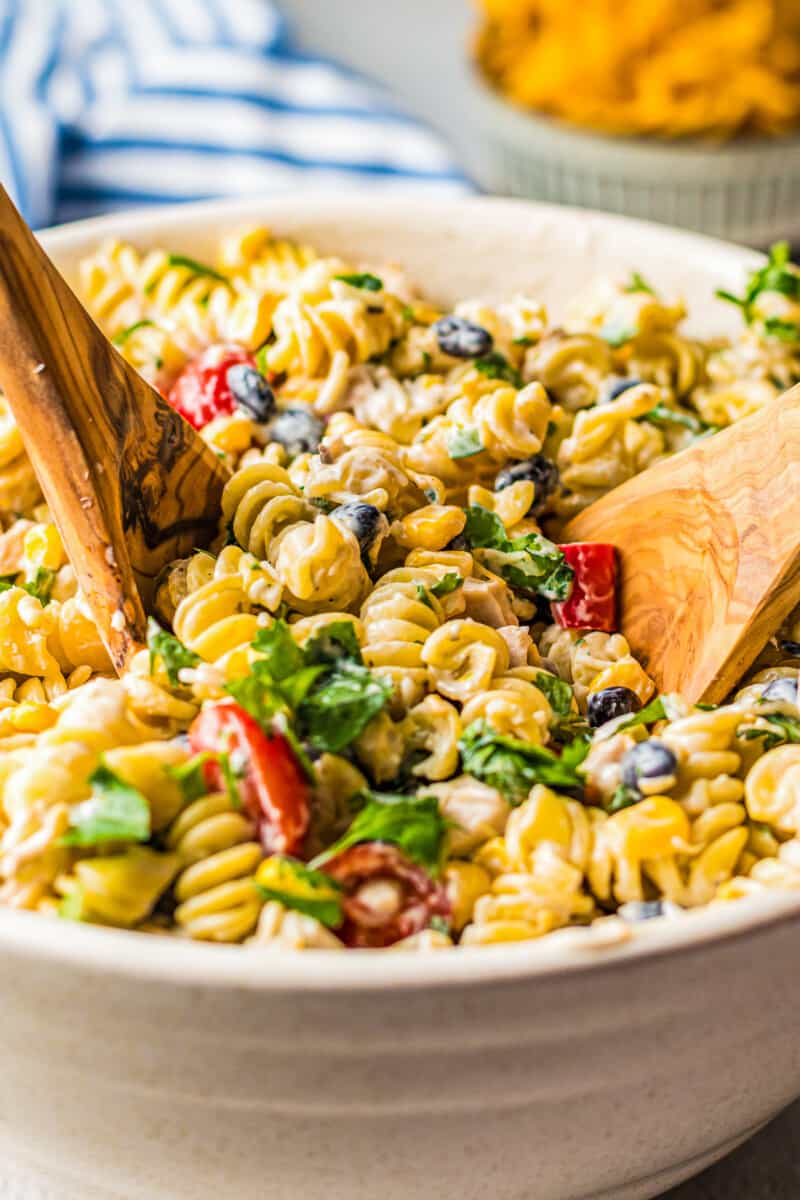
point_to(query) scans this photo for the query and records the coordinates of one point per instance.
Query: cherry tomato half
(376, 915)
(592, 603)
(201, 392)
(273, 786)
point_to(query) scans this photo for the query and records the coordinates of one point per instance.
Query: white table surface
(416, 46)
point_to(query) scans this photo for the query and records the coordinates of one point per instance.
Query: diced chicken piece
(520, 644)
(488, 601)
(475, 811)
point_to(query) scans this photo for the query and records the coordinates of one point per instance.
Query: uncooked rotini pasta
(388, 707)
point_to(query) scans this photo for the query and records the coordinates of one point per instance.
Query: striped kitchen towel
(105, 104)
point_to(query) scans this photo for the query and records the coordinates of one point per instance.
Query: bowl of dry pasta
(385, 858)
(687, 114)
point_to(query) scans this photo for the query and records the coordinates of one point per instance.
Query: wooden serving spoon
(709, 542)
(129, 483)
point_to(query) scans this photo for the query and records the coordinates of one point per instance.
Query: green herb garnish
(450, 582)
(513, 766)
(624, 797)
(463, 443)
(114, 812)
(652, 712)
(661, 414)
(557, 691)
(412, 823)
(323, 691)
(173, 654)
(784, 730)
(529, 563)
(197, 268)
(190, 776)
(778, 275)
(638, 284)
(496, 366)
(364, 280)
(301, 888)
(41, 586)
(119, 339)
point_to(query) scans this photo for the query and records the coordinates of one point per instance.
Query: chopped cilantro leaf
(638, 284)
(369, 283)
(557, 691)
(301, 888)
(513, 766)
(191, 264)
(412, 823)
(463, 443)
(661, 414)
(777, 275)
(341, 704)
(190, 775)
(115, 811)
(173, 654)
(447, 584)
(529, 563)
(623, 797)
(652, 712)
(41, 586)
(119, 339)
(496, 366)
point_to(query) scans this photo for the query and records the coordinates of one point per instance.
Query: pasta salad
(390, 707)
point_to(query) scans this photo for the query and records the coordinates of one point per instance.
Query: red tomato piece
(592, 603)
(273, 786)
(201, 392)
(373, 917)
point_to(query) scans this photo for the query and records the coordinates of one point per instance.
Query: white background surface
(416, 46)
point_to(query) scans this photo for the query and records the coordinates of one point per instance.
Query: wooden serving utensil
(129, 483)
(709, 542)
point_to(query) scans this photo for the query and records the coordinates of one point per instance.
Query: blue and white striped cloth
(106, 104)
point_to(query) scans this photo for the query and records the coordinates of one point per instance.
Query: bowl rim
(567, 136)
(177, 962)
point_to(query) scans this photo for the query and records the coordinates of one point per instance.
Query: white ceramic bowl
(746, 190)
(157, 1069)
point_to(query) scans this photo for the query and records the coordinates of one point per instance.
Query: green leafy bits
(41, 586)
(557, 691)
(190, 776)
(301, 888)
(778, 275)
(652, 712)
(115, 812)
(661, 414)
(173, 654)
(447, 584)
(322, 691)
(513, 766)
(529, 563)
(197, 268)
(336, 711)
(637, 283)
(624, 797)
(119, 339)
(363, 280)
(785, 331)
(463, 443)
(496, 366)
(782, 730)
(412, 823)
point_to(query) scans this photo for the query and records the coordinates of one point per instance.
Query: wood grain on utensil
(129, 483)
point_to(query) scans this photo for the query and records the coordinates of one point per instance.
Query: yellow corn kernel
(42, 547)
(653, 828)
(465, 882)
(32, 717)
(230, 434)
(510, 504)
(430, 528)
(494, 856)
(626, 673)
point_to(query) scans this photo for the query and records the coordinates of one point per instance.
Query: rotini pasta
(370, 714)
